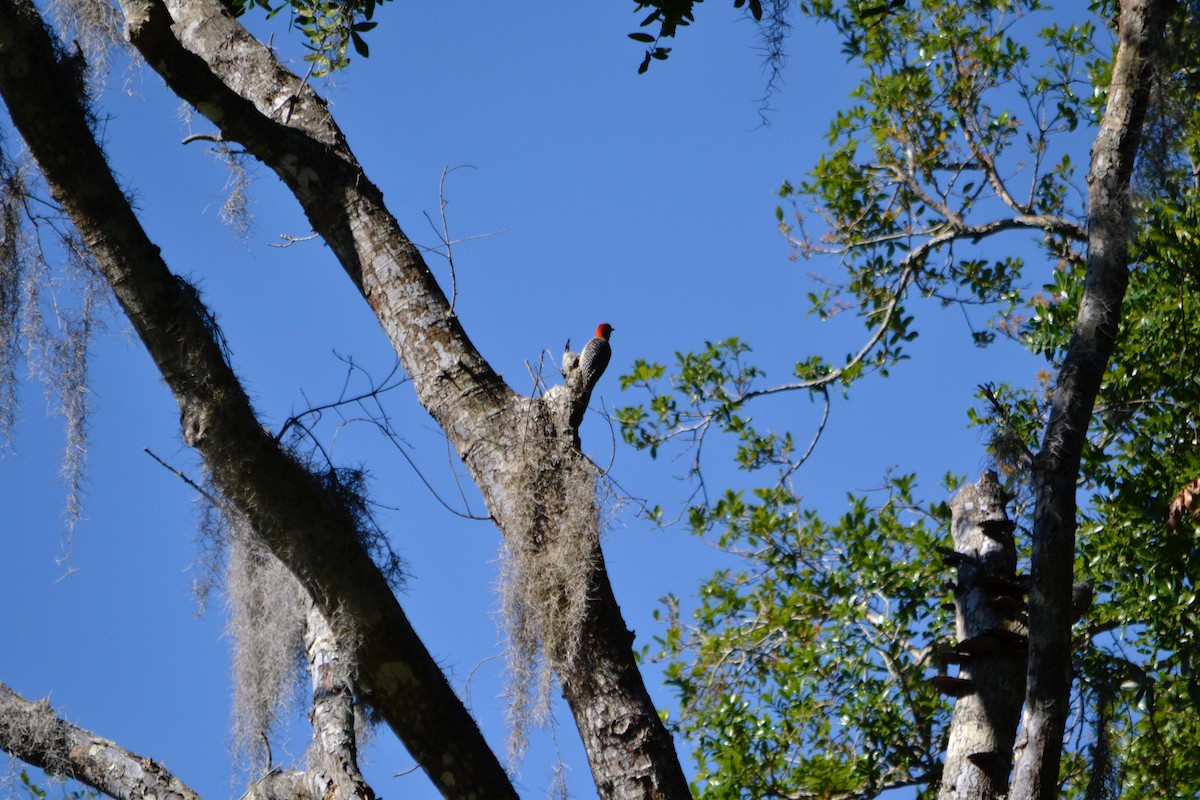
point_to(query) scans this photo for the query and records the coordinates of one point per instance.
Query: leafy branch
(331, 27)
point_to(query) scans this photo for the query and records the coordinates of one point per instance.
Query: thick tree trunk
(615, 715)
(1056, 468)
(991, 646)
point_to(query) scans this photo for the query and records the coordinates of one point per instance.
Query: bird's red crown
(603, 330)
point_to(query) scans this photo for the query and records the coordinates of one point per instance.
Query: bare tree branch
(35, 734)
(237, 81)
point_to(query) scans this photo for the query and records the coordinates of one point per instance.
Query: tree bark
(333, 772)
(35, 734)
(1056, 468)
(299, 517)
(539, 489)
(988, 600)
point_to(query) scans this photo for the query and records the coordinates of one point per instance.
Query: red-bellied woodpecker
(595, 357)
(592, 362)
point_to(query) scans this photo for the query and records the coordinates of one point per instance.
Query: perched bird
(595, 357)
(592, 363)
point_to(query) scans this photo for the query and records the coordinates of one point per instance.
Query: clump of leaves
(799, 667)
(668, 16)
(330, 26)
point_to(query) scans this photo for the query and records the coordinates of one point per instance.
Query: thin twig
(203, 137)
(273, 771)
(289, 240)
(202, 491)
(446, 170)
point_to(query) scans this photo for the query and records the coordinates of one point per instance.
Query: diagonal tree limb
(300, 518)
(212, 62)
(34, 733)
(1056, 468)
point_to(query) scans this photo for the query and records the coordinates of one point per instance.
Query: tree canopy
(806, 672)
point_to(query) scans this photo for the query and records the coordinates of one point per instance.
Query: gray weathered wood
(988, 605)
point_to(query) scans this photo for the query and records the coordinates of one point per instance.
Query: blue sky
(644, 201)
